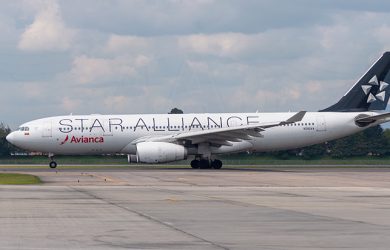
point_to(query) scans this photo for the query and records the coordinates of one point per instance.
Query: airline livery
(165, 138)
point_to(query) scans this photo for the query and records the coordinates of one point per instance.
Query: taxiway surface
(265, 208)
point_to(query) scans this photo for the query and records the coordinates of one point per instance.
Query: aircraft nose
(11, 137)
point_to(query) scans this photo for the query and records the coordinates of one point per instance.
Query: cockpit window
(24, 129)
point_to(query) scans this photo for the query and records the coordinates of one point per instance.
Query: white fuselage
(106, 134)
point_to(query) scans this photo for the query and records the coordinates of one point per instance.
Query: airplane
(162, 138)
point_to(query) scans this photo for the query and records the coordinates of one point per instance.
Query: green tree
(315, 151)
(370, 141)
(176, 111)
(284, 154)
(4, 145)
(386, 133)
(376, 141)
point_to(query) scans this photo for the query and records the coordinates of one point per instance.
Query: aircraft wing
(223, 136)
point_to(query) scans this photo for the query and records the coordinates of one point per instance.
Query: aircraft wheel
(204, 164)
(216, 164)
(195, 164)
(53, 164)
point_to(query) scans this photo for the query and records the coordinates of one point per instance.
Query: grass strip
(18, 179)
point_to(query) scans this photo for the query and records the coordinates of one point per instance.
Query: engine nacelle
(160, 152)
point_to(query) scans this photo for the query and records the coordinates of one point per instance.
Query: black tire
(204, 164)
(53, 164)
(216, 164)
(195, 164)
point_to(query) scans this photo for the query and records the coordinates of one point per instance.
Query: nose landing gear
(52, 163)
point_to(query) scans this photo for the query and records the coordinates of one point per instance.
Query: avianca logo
(64, 141)
(82, 139)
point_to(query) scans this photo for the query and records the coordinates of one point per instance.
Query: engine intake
(160, 152)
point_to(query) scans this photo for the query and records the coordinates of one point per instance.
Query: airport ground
(268, 207)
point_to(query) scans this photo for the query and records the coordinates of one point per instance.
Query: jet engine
(160, 152)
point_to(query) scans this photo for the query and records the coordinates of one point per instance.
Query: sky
(132, 56)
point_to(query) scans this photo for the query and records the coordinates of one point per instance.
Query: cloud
(32, 89)
(90, 69)
(117, 43)
(48, 32)
(382, 34)
(70, 104)
(225, 44)
(313, 87)
(149, 56)
(119, 103)
(272, 44)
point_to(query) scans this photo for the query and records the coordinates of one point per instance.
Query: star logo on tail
(380, 95)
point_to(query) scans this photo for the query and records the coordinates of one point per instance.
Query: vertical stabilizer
(370, 92)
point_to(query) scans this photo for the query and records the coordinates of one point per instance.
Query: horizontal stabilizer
(364, 121)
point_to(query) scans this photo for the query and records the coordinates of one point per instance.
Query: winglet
(296, 118)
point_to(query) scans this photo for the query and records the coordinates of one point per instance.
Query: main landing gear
(52, 163)
(205, 164)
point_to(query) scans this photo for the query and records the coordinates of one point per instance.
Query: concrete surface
(294, 208)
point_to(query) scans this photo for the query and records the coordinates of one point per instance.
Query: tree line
(374, 141)
(5, 147)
